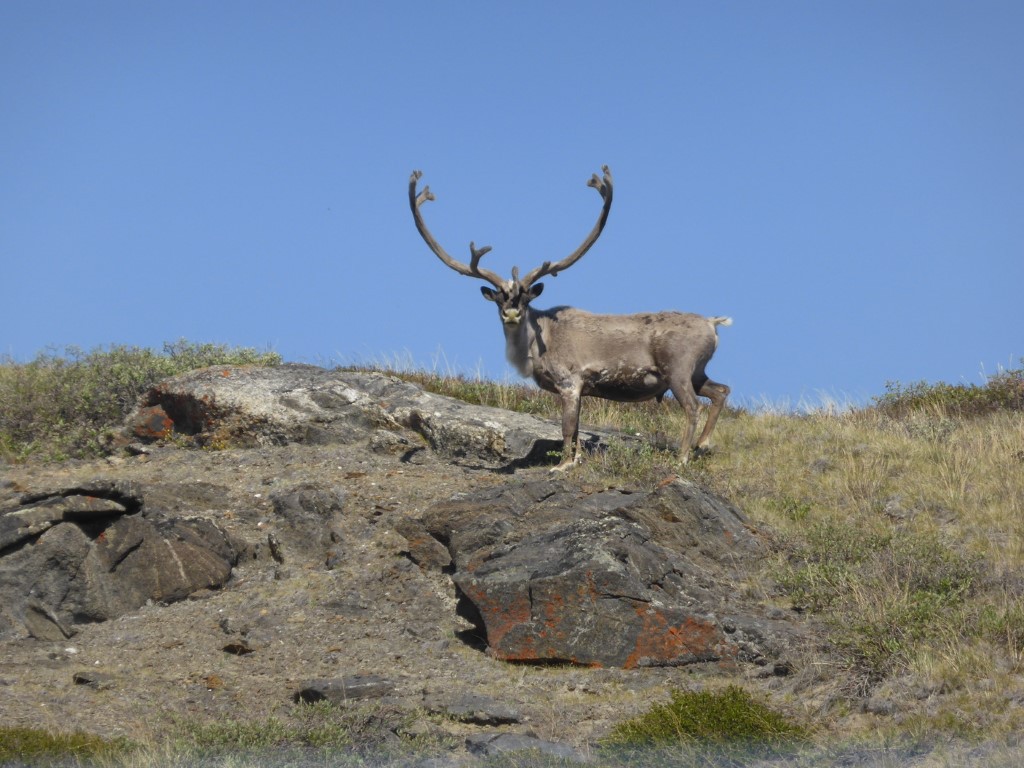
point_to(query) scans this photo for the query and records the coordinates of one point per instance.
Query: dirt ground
(243, 652)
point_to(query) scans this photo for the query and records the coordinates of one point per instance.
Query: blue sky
(844, 179)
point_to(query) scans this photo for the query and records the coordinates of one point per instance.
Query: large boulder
(246, 406)
(91, 553)
(552, 573)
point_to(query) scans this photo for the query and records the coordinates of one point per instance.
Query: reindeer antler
(604, 187)
(473, 269)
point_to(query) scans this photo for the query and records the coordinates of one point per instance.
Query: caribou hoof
(566, 464)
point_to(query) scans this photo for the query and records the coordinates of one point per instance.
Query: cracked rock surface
(556, 573)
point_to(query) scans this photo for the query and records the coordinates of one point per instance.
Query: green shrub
(32, 746)
(337, 735)
(60, 406)
(728, 718)
(1003, 391)
(241, 735)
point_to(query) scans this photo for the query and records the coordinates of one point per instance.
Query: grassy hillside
(900, 525)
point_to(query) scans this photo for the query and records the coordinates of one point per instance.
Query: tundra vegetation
(899, 525)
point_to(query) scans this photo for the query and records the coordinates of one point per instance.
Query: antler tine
(604, 187)
(473, 268)
(475, 254)
(424, 196)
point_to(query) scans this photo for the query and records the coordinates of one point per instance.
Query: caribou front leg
(571, 399)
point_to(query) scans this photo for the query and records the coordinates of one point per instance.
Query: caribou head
(511, 296)
(575, 353)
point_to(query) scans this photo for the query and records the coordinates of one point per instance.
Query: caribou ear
(536, 290)
(489, 293)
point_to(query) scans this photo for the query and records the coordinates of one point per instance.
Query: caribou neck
(521, 343)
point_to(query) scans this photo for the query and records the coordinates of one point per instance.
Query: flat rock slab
(246, 406)
(34, 513)
(101, 681)
(339, 690)
(20, 524)
(473, 708)
(551, 573)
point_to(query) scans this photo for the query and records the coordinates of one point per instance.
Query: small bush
(630, 464)
(242, 735)
(319, 727)
(730, 718)
(1003, 391)
(60, 406)
(1003, 625)
(32, 746)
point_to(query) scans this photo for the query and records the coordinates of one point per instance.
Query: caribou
(576, 354)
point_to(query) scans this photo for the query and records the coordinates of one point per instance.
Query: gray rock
(124, 492)
(240, 647)
(423, 549)
(473, 708)
(256, 406)
(35, 579)
(307, 518)
(549, 572)
(101, 681)
(43, 623)
(138, 560)
(386, 442)
(75, 555)
(340, 690)
(32, 519)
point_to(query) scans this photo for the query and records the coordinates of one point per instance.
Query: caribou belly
(625, 385)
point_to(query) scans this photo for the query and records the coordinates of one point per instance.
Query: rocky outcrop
(89, 553)
(307, 518)
(98, 550)
(546, 570)
(89, 505)
(244, 406)
(552, 573)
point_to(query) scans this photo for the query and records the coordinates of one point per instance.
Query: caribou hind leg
(716, 393)
(685, 395)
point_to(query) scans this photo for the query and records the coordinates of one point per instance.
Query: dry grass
(905, 535)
